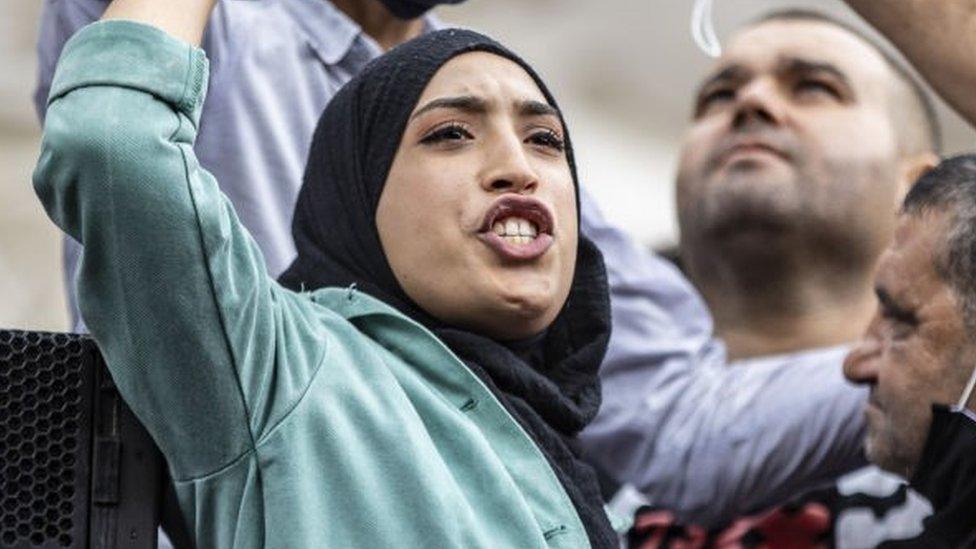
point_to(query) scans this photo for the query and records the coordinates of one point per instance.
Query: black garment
(411, 9)
(550, 385)
(946, 475)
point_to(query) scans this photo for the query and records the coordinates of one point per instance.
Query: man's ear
(911, 168)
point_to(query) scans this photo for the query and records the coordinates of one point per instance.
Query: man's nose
(508, 168)
(758, 102)
(862, 363)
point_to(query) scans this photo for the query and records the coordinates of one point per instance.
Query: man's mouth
(745, 147)
(751, 149)
(518, 228)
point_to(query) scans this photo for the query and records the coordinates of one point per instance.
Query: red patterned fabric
(806, 526)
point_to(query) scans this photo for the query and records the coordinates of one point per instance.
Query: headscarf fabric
(549, 384)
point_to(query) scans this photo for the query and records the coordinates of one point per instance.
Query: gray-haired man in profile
(918, 356)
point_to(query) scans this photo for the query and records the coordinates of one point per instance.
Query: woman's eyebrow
(531, 107)
(467, 103)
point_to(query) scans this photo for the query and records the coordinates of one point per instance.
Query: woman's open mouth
(518, 228)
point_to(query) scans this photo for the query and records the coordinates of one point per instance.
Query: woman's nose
(509, 168)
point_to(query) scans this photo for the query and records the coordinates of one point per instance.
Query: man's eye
(547, 138)
(714, 97)
(899, 324)
(817, 86)
(452, 132)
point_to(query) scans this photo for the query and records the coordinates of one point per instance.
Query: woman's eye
(547, 138)
(453, 132)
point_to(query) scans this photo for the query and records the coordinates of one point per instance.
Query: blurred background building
(624, 72)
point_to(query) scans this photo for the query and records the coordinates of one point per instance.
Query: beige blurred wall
(623, 70)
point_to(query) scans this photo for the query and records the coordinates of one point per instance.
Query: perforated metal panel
(45, 418)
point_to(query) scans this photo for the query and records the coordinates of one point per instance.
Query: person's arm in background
(686, 431)
(938, 37)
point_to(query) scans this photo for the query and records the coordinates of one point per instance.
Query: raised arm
(173, 288)
(938, 37)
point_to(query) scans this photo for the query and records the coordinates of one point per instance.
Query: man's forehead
(765, 45)
(921, 230)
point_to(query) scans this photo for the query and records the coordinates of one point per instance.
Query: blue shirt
(681, 426)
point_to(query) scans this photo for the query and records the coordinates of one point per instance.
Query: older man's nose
(861, 364)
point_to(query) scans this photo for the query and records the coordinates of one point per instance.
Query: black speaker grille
(44, 428)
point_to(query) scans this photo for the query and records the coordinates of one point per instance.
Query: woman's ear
(913, 167)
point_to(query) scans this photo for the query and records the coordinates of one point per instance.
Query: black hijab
(549, 384)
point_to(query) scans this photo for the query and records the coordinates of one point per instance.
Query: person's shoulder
(816, 355)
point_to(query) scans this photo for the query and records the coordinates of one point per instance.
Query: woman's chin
(524, 315)
(510, 318)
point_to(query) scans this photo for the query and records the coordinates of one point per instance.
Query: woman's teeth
(516, 230)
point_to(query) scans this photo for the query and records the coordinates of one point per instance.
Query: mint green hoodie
(324, 419)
